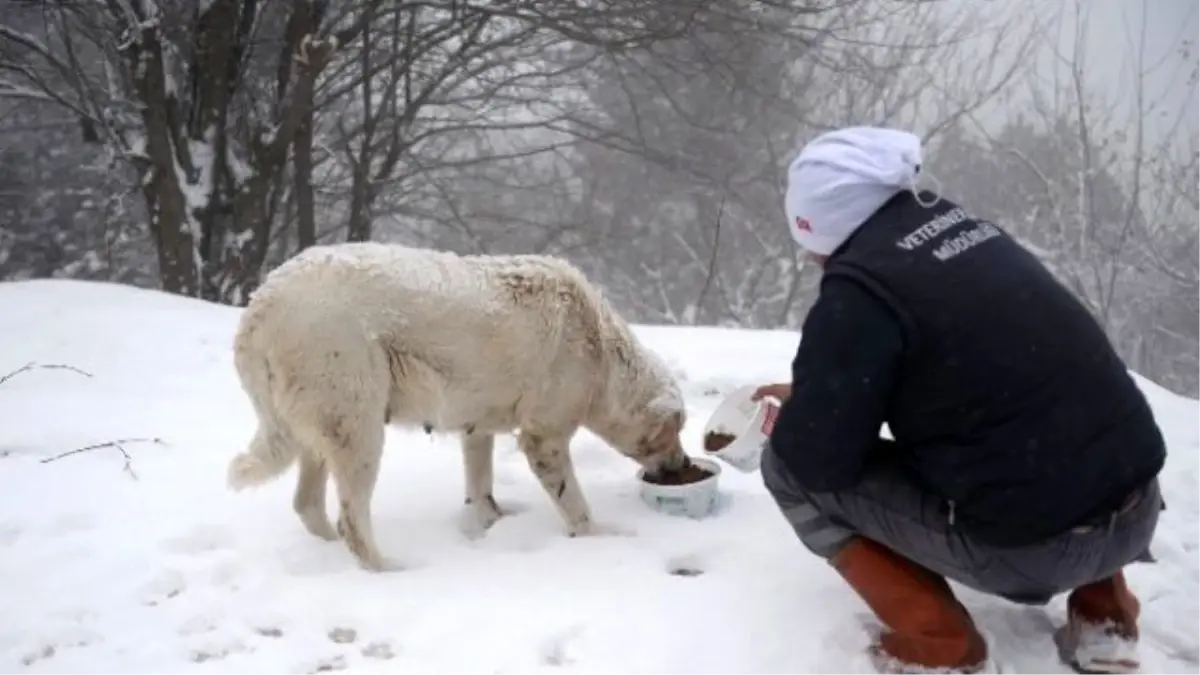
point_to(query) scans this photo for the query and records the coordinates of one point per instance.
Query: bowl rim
(708, 463)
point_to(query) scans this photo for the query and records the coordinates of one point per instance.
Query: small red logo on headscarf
(803, 225)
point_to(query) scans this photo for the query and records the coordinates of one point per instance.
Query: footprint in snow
(685, 566)
(71, 637)
(217, 653)
(198, 625)
(41, 654)
(328, 665)
(166, 585)
(379, 649)
(556, 649)
(226, 575)
(269, 631)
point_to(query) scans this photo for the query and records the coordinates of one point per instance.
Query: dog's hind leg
(480, 510)
(309, 501)
(353, 457)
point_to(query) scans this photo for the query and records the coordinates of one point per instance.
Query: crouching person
(1025, 458)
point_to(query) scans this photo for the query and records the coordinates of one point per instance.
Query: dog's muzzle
(672, 460)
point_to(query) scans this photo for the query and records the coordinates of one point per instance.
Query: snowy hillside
(102, 572)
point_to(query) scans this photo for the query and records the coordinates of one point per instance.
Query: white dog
(342, 340)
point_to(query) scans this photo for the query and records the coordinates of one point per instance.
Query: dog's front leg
(480, 510)
(550, 458)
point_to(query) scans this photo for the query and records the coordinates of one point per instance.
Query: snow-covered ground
(169, 572)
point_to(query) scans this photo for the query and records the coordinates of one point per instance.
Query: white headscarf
(843, 177)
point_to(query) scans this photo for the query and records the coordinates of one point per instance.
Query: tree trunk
(171, 225)
(359, 228)
(306, 217)
(249, 229)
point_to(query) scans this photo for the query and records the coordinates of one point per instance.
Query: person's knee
(823, 537)
(820, 534)
(779, 483)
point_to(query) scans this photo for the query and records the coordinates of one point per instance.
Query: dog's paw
(476, 519)
(382, 564)
(594, 529)
(317, 523)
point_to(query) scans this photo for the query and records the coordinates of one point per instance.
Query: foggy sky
(1112, 39)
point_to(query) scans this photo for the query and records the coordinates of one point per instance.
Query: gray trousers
(892, 511)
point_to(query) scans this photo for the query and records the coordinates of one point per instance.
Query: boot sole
(1100, 666)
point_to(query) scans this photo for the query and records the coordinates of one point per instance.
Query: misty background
(193, 145)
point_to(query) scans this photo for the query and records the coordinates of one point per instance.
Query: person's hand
(781, 391)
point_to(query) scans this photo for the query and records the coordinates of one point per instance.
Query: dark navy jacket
(1006, 399)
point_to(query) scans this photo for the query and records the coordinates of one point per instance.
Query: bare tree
(63, 210)
(1163, 336)
(207, 100)
(645, 139)
(1100, 186)
(448, 86)
(706, 126)
(182, 92)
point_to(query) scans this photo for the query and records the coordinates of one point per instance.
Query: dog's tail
(273, 448)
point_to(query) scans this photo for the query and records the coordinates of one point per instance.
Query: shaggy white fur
(343, 339)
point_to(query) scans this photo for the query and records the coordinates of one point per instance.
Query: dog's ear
(665, 432)
(665, 402)
(675, 422)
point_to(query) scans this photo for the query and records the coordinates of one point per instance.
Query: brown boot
(925, 626)
(1101, 632)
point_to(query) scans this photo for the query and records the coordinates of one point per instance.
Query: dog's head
(658, 446)
(642, 412)
(649, 435)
